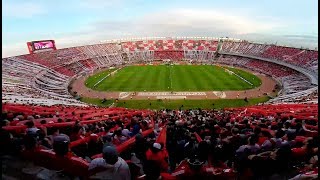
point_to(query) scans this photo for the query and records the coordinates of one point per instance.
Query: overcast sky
(79, 22)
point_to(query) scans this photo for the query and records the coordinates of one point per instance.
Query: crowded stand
(243, 48)
(279, 52)
(60, 66)
(306, 58)
(299, 57)
(292, 82)
(170, 49)
(307, 96)
(61, 137)
(100, 55)
(174, 55)
(139, 56)
(255, 142)
(103, 55)
(29, 82)
(65, 64)
(36, 77)
(170, 45)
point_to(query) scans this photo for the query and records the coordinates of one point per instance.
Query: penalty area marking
(171, 94)
(123, 95)
(171, 97)
(220, 94)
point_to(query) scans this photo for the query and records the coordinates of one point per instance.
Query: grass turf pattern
(173, 78)
(95, 78)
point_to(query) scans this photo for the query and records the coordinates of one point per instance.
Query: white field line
(111, 105)
(239, 77)
(105, 77)
(170, 76)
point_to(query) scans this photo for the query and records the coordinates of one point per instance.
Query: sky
(81, 22)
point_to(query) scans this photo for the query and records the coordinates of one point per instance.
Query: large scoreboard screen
(40, 46)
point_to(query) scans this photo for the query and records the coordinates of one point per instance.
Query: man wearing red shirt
(156, 153)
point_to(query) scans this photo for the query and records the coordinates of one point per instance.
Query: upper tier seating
(299, 57)
(170, 45)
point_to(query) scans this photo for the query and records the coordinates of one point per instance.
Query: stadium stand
(223, 144)
(298, 85)
(300, 57)
(63, 137)
(291, 81)
(70, 62)
(170, 49)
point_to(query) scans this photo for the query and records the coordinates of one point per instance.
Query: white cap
(157, 146)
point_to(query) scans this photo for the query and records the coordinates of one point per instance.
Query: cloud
(290, 40)
(177, 21)
(99, 4)
(62, 41)
(14, 49)
(301, 36)
(22, 9)
(213, 20)
(181, 22)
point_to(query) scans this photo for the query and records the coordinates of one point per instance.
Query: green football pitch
(173, 78)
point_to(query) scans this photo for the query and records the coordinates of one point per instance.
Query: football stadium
(171, 107)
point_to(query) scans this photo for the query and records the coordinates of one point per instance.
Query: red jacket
(160, 157)
(261, 140)
(184, 171)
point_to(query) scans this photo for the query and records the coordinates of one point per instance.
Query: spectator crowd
(258, 142)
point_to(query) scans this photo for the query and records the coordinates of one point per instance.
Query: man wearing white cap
(156, 153)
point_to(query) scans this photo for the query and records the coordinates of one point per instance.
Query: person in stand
(252, 147)
(152, 172)
(156, 153)
(191, 168)
(31, 127)
(107, 140)
(135, 127)
(110, 166)
(61, 144)
(271, 164)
